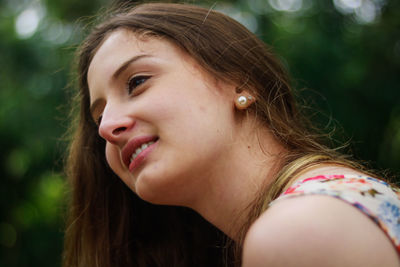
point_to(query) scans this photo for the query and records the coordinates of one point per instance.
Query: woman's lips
(130, 148)
(141, 156)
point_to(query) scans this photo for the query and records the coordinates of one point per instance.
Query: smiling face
(168, 126)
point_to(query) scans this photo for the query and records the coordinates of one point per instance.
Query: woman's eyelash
(136, 81)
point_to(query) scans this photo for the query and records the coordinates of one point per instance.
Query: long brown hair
(108, 225)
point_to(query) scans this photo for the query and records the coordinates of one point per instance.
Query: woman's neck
(249, 167)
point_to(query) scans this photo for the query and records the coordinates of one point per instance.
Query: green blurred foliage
(350, 66)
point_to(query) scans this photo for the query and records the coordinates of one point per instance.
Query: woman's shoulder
(320, 230)
(316, 231)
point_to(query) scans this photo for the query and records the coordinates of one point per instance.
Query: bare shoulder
(316, 231)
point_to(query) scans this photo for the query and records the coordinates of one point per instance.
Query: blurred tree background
(346, 51)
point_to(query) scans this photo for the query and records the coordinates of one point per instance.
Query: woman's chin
(161, 190)
(152, 189)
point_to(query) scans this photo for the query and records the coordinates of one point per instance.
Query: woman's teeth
(140, 149)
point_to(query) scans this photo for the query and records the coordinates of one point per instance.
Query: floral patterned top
(377, 199)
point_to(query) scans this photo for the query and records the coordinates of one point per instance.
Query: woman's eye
(136, 81)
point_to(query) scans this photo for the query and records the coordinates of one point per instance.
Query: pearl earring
(243, 102)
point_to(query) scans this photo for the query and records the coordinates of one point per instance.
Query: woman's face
(169, 126)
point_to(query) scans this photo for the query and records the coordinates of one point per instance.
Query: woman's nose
(114, 125)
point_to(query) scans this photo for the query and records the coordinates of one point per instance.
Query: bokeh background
(344, 56)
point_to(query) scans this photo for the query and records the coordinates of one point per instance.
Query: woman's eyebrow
(127, 63)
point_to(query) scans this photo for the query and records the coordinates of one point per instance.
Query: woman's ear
(243, 100)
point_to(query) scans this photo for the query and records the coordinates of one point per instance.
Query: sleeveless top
(377, 199)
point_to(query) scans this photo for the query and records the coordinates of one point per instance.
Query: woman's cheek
(113, 158)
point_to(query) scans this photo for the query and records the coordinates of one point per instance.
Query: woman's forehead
(122, 47)
(122, 44)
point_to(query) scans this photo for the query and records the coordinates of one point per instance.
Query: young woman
(189, 136)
